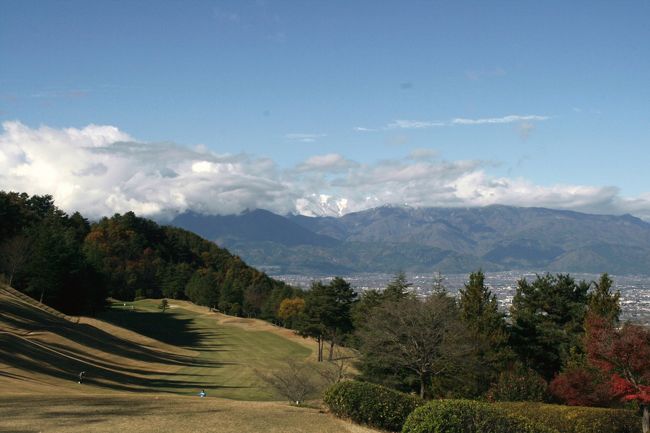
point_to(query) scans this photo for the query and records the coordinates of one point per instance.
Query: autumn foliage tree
(623, 354)
(290, 309)
(580, 383)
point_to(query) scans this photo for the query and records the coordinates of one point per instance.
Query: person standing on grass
(82, 376)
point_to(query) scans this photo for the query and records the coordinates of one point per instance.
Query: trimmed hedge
(387, 409)
(374, 405)
(468, 416)
(576, 419)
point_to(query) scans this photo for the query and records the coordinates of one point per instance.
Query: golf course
(144, 369)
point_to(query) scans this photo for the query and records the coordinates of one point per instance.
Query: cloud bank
(100, 170)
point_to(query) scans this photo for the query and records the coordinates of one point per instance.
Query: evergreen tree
(339, 323)
(328, 313)
(174, 279)
(603, 302)
(548, 320)
(479, 311)
(368, 300)
(398, 288)
(202, 288)
(438, 284)
(317, 309)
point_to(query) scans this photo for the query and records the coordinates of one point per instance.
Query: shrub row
(374, 405)
(574, 419)
(467, 416)
(387, 409)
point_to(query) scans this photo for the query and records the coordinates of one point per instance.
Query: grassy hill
(228, 350)
(144, 368)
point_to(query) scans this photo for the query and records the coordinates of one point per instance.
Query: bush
(374, 405)
(575, 419)
(519, 384)
(467, 416)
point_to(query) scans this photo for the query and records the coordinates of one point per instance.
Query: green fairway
(228, 356)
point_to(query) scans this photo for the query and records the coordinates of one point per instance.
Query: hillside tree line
(73, 265)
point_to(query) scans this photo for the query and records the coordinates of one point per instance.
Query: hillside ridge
(452, 240)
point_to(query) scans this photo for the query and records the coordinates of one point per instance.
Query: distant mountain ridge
(257, 225)
(386, 239)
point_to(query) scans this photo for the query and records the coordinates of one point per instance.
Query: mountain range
(452, 240)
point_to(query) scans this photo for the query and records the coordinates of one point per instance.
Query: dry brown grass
(161, 414)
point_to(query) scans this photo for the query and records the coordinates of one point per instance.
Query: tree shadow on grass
(32, 351)
(168, 327)
(89, 409)
(30, 356)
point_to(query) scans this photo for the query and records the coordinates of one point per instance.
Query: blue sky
(550, 96)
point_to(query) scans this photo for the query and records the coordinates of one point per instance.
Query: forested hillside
(73, 265)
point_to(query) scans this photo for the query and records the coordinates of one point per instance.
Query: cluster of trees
(561, 340)
(139, 258)
(73, 265)
(41, 253)
(324, 312)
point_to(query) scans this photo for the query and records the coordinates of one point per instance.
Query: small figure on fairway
(202, 393)
(82, 376)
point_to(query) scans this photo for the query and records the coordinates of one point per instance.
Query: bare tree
(424, 337)
(336, 370)
(14, 254)
(294, 381)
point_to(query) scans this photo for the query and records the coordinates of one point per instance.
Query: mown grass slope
(144, 368)
(228, 358)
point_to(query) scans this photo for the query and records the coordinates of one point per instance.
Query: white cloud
(425, 124)
(303, 138)
(413, 124)
(363, 129)
(496, 120)
(100, 170)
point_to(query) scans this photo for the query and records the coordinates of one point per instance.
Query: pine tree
(398, 288)
(328, 313)
(548, 320)
(479, 311)
(603, 302)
